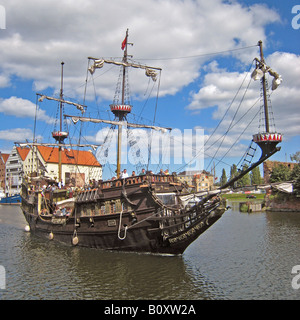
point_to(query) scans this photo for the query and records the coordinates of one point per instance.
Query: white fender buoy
(51, 235)
(27, 228)
(75, 241)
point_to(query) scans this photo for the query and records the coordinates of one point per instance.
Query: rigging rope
(201, 55)
(232, 120)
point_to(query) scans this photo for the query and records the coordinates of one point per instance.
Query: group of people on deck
(124, 173)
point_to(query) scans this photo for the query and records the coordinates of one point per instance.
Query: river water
(242, 256)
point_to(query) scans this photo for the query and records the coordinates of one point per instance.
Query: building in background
(14, 170)
(3, 160)
(200, 180)
(78, 167)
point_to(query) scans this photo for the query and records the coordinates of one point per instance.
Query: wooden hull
(147, 237)
(144, 225)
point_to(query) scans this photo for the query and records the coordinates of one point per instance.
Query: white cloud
(220, 87)
(18, 134)
(22, 108)
(41, 34)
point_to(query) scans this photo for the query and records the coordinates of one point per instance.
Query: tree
(223, 179)
(295, 175)
(245, 180)
(255, 176)
(295, 157)
(280, 173)
(233, 171)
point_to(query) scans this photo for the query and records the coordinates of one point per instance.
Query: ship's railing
(137, 180)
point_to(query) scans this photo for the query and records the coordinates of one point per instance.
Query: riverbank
(282, 202)
(243, 196)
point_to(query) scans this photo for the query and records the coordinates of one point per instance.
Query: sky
(205, 49)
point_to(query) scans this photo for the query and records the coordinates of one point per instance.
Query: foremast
(267, 141)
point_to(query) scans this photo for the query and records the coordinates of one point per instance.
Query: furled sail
(35, 144)
(75, 119)
(261, 69)
(77, 105)
(99, 63)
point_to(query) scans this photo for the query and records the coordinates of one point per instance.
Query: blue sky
(196, 86)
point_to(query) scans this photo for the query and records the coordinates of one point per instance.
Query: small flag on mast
(124, 43)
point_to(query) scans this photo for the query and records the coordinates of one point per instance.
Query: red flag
(124, 43)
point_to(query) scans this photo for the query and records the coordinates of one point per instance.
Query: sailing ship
(147, 213)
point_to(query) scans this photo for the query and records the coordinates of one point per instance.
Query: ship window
(113, 208)
(167, 198)
(102, 209)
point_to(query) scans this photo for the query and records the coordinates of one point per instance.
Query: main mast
(120, 111)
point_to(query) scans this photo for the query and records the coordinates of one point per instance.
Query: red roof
(4, 156)
(75, 157)
(23, 152)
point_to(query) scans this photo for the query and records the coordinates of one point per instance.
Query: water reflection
(241, 257)
(47, 270)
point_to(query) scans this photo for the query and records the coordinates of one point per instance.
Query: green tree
(280, 173)
(255, 176)
(223, 179)
(233, 171)
(295, 175)
(295, 156)
(245, 180)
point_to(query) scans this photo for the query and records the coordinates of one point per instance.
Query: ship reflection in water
(242, 257)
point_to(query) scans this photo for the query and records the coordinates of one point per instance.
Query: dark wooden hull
(146, 237)
(147, 226)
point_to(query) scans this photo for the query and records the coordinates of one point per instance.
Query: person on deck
(124, 174)
(161, 172)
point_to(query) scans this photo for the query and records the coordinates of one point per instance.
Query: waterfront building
(14, 170)
(200, 180)
(3, 160)
(78, 167)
